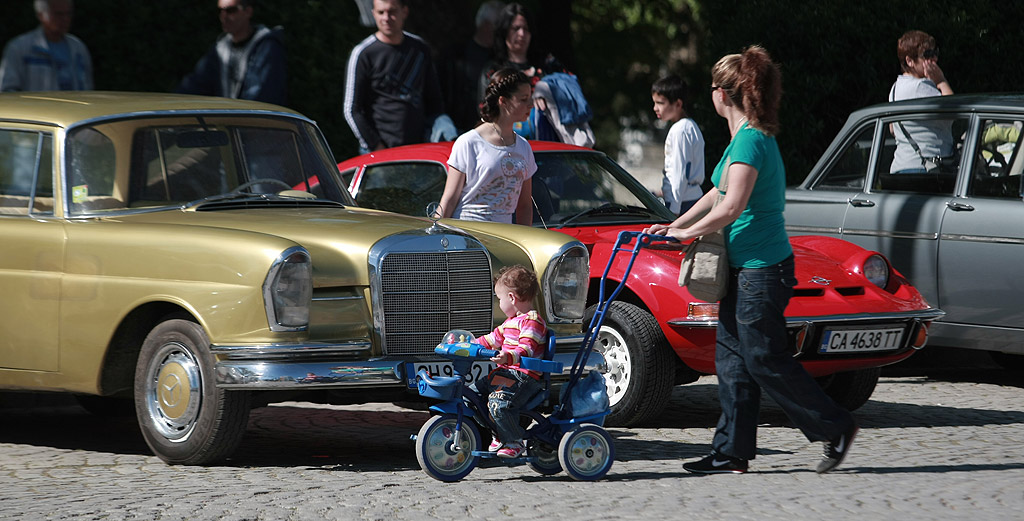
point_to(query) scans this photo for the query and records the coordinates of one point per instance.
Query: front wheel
(586, 453)
(440, 455)
(640, 364)
(184, 417)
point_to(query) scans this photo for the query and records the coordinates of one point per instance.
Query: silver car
(952, 224)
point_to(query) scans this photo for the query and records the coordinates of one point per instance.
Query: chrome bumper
(921, 315)
(305, 366)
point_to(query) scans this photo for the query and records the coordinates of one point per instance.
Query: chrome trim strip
(892, 235)
(798, 322)
(292, 351)
(816, 230)
(335, 299)
(981, 238)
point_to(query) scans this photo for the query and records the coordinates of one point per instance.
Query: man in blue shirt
(47, 58)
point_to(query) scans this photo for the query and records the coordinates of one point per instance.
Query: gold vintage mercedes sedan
(199, 257)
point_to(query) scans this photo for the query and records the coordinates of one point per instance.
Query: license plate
(856, 340)
(478, 370)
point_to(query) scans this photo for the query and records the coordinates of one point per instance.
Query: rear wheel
(586, 453)
(544, 458)
(851, 389)
(640, 364)
(184, 417)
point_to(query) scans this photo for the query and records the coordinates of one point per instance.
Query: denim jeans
(752, 354)
(505, 401)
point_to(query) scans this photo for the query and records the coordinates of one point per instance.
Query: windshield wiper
(607, 208)
(223, 197)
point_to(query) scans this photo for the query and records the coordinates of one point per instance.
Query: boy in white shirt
(684, 147)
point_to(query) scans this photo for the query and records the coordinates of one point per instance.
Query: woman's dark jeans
(752, 353)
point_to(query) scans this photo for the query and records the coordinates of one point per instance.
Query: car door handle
(959, 207)
(861, 203)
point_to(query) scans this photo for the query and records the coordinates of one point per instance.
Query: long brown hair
(754, 83)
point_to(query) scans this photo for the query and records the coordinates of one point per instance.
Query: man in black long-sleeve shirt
(391, 88)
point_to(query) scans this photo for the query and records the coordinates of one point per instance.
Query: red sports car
(851, 313)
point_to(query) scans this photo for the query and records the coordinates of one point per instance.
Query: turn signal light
(702, 311)
(922, 335)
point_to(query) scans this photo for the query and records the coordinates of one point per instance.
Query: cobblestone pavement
(945, 446)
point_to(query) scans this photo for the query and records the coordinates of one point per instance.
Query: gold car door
(31, 261)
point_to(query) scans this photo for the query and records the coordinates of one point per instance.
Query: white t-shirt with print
(494, 176)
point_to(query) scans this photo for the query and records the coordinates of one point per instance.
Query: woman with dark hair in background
(752, 349)
(561, 112)
(490, 167)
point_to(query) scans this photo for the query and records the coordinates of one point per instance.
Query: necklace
(739, 125)
(508, 153)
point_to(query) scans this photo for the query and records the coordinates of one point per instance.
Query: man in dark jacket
(247, 62)
(392, 93)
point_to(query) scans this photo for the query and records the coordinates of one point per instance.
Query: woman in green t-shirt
(752, 349)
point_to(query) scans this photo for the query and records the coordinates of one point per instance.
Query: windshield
(156, 162)
(574, 188)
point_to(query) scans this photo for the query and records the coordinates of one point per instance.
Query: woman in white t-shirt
(490, 167)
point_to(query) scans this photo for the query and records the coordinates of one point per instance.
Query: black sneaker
(836, 450)
(717, 464)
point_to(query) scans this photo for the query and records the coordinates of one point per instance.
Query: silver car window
(998, 163)
(850, 168)
(921, 155)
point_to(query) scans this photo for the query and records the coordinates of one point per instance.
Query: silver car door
(900, 211)
(982, 239)
(820, 205)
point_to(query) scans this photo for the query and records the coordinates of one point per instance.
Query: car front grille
(426, 294)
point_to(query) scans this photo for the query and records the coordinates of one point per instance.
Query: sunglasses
(930, 53)
(230, 10)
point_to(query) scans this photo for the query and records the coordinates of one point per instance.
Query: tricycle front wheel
(439, 455)
(586, 453)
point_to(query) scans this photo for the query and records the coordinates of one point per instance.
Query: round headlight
(877, 271)
(565, 284)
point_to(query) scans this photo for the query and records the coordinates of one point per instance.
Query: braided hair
(504, 83)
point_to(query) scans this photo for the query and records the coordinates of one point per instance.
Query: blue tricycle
(449, 445)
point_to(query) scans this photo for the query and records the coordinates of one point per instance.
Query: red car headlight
(876, 270)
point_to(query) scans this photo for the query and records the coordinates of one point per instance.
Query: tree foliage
(835, 56)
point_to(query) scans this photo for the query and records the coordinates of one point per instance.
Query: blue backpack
(573, 108)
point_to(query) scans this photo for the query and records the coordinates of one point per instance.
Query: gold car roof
(64, 109)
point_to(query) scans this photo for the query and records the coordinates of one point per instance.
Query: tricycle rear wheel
(587, 452)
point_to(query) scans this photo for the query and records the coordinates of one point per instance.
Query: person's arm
(357, 102)
(933, 72)
(268, 69)
(453, 186)
(741, 184)
(524, 208)
(433, 99)
(698, 210)
(204, 78)
(10, 75)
